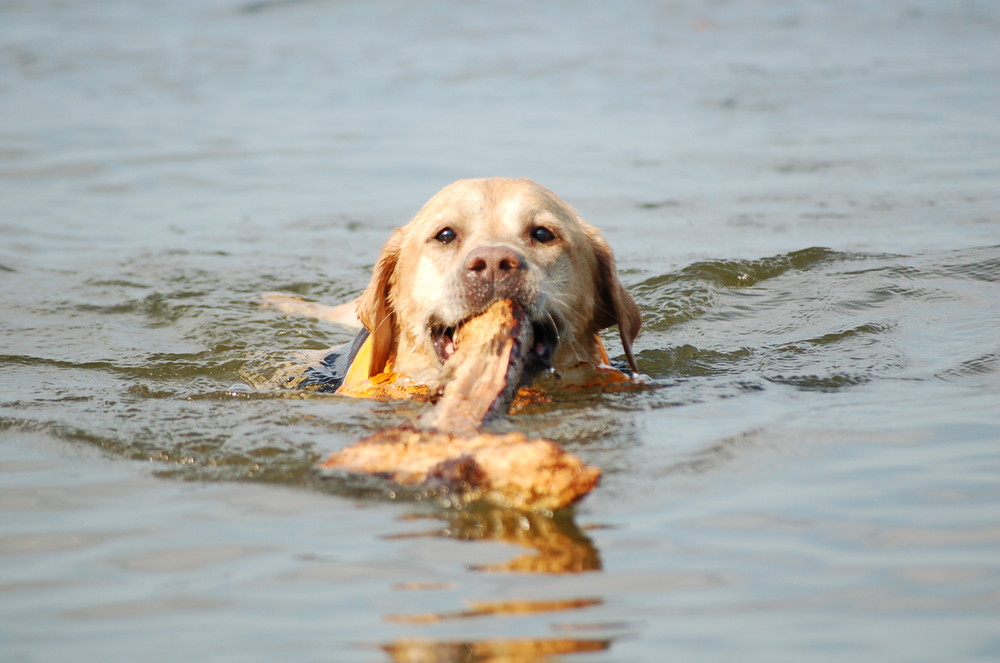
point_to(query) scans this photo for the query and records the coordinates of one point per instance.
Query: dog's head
(478, 241)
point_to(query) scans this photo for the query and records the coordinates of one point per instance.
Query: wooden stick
(449, 451)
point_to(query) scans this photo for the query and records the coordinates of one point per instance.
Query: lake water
(804, 198)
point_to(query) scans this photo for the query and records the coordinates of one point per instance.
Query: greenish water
(803, 199)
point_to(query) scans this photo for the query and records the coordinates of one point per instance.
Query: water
(802, 196)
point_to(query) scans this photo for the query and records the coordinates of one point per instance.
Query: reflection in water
(496, 608)
(560, 546)
(413, 650)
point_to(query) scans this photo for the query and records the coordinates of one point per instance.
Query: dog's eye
(446, 236)
(542, 234)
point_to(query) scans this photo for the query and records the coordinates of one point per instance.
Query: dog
(475, 242)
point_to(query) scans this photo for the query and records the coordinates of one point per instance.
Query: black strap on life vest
(329, 373)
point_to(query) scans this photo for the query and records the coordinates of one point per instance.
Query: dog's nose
(493, 263)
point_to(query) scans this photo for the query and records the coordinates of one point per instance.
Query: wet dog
(473, 243)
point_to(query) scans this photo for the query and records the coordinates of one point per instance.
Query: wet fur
(419, 282)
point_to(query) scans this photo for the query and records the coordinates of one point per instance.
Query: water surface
(802, 196)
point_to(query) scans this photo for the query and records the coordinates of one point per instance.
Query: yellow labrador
(473, 243)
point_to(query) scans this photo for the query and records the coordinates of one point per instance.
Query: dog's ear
(375, 308)
(614, 304)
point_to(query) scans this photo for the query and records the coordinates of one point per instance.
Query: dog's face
(478, 241)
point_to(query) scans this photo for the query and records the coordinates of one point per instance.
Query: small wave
(158, 308)
(980, 264)
(210, 365)
(830, 321)
(811, 364)
(826, 383)
(676, 297)
(985, 364)
(39, 362)
(689, 361)
(743, 273)
(866, 329)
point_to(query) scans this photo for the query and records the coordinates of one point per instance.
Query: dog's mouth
(544, 339)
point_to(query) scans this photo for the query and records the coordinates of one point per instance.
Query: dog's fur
(477, 241)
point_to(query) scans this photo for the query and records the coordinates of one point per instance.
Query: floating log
(448, 450)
